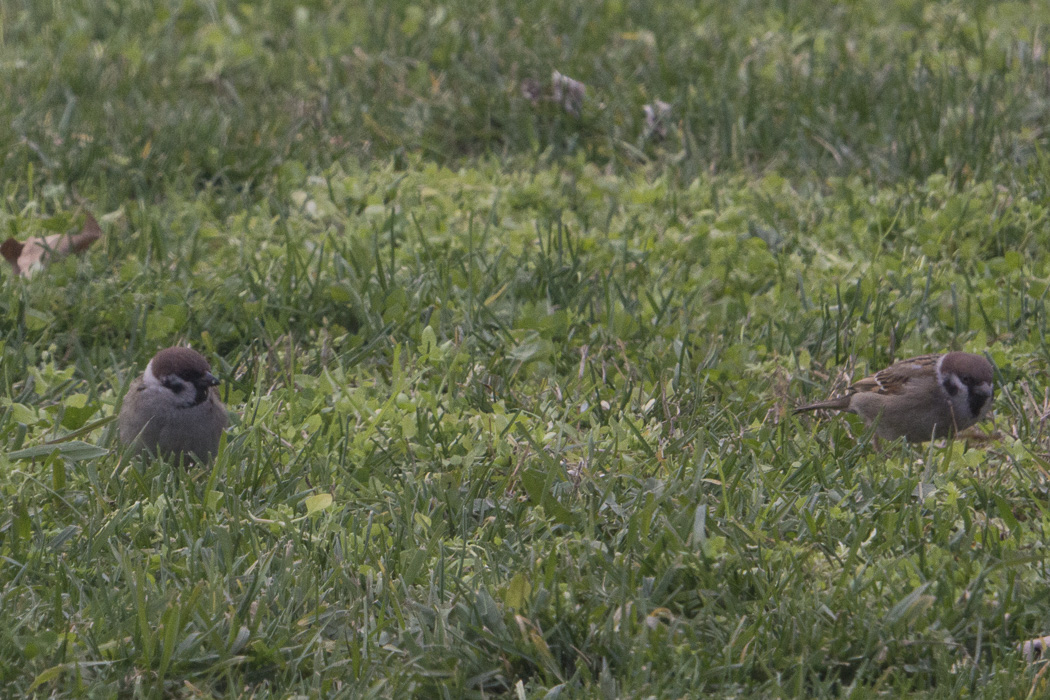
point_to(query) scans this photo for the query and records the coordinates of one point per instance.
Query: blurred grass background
(214, 92)
(511, 380)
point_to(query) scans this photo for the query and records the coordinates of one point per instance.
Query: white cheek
(149, 379)
(185, 397)
(961, 400)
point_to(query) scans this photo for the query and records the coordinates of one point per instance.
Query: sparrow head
(183, 372)
(968, 377)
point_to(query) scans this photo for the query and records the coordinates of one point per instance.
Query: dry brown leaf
(25, 257)
(1034, 649)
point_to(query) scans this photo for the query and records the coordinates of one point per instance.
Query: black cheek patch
(950, 387)
(176, 387)
(977, 402)
(200, 387)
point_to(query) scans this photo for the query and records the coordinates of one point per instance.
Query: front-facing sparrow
(931, 396)
(173, 409)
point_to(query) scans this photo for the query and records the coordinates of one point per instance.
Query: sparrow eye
(950, 387)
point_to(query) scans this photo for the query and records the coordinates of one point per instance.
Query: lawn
(511, 358)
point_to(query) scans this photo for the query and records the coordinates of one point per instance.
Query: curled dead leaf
(33, 253)
(1034, 649)
(657, 119)
(568, 93)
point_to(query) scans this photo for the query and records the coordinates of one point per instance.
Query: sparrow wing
(893, 379)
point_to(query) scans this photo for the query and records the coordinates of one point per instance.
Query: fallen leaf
(657, 117)
(1034, 649)
(568, 93)
(32, 254)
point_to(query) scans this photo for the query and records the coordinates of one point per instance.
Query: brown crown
(965, 364)
(184, 362)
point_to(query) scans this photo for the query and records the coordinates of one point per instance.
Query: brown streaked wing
(893, 379)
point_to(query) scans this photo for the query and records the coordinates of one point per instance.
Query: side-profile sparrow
(173, 409)
(931, 396)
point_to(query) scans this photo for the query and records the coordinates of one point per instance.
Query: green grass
(513, 386)
(139, 95)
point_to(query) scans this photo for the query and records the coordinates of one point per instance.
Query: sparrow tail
(839, 404)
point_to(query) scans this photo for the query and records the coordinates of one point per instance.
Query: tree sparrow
(931, 396)
(173, 409)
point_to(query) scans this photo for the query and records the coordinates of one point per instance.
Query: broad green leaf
(518, 591)
(317, 502)
(74, 451)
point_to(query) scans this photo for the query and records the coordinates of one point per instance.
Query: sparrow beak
(209, 379)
